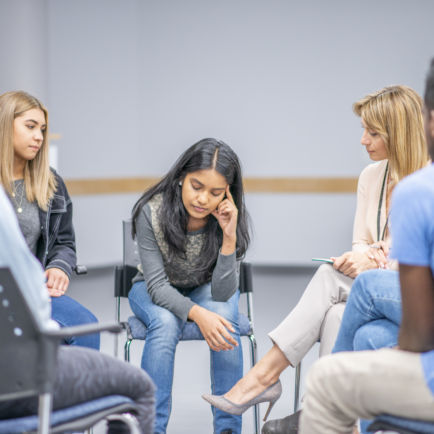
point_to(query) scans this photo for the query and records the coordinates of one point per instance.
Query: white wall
(132, 83)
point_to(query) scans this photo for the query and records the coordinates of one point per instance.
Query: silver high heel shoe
(271, 395)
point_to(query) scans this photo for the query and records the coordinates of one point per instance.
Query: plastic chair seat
(92, 409)
(190, 331)
(401, 425)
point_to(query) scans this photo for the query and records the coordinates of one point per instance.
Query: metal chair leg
(253, 359)
(127, 350)
(297, 386)
(44, 411)
(118, 319)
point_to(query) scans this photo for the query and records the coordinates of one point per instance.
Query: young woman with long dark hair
(192, 231)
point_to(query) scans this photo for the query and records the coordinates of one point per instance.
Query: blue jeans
(68, 312)
(164, 330)
(372, 315)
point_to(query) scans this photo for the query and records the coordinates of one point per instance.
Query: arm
(61, 257)
(61, 251)
(417, 290)
(363, 257)
(162, 293)
(412, 228)
(225, 277)
(225, 280)
(361, 240)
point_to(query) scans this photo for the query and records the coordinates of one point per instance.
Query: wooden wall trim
(252, 185)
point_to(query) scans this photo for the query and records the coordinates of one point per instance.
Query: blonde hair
(39, 180)
(395, 113)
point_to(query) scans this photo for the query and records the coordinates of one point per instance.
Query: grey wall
(130, 84)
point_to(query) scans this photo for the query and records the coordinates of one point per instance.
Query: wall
(130, 84)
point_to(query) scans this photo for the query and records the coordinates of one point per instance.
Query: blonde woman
(393, 136)
(41, 202)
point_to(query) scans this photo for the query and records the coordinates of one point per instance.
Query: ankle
(265, 379)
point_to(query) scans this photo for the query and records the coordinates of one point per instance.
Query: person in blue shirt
(346, 386)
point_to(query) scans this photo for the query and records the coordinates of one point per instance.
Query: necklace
(380, 235)
(15, 193)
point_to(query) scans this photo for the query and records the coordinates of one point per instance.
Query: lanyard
(380, 203)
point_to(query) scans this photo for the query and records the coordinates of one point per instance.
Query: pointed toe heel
(271, 395)
(270, 406)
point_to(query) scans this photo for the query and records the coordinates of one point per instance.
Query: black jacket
(56, 246)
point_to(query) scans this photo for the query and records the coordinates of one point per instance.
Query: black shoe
(287, 425)
(117, 427)
(226, 431)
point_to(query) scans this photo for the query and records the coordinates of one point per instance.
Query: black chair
(399, 425)
(137, 330)
(28, 359)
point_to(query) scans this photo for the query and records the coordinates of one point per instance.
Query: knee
(71, 311)
(366, 280)
(228, 310)
(166, 324)
(324, 271)
(363, 339)
(375, 335)
(87, 316)
(83, 315)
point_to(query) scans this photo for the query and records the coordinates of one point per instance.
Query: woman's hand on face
(214, 328)
(227, 215)
(57, 282)
(353, 263)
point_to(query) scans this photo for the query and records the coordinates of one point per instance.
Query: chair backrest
(19, 336)
(246, 279)
(130, 261)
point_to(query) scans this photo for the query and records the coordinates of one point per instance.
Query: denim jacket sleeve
(58, 237)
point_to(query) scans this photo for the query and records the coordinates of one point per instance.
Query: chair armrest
(80, 269)
(84, 329)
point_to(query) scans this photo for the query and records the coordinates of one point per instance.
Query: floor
(276, 291)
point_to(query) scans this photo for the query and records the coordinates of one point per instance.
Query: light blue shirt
(25, 268)
(412, 228)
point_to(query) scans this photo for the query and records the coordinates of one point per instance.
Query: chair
(137, 330)
(27, 367)
(297, 387)
(400, 425)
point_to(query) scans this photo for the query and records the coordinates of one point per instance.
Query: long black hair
(206, 154)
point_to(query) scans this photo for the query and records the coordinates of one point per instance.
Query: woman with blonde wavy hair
(393, 135)
(41, 202)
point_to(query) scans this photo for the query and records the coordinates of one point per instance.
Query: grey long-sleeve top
(163, 275)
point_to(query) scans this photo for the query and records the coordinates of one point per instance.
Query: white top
(368, 198)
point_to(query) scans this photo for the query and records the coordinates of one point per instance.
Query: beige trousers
(316, 317)
(346, 386)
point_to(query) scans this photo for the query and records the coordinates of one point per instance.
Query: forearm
(225, 277)
(229, 245)
(168, 297)
(417, 327)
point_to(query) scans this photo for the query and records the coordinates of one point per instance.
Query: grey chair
(137, 330)
(28, 359)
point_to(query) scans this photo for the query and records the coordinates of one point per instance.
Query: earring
(180, 183)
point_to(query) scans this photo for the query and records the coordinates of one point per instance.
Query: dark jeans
(84, 374)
